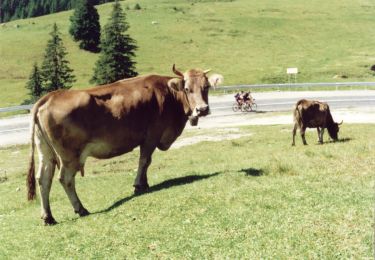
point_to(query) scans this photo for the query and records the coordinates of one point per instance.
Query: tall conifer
(34, 85)
(85, 26)
(56, 73)
(117, 50)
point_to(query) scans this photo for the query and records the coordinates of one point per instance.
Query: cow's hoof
(49, 220)
(140, 189)
(83, 212)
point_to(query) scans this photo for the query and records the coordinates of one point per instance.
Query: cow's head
(195, 84)
(333, 130)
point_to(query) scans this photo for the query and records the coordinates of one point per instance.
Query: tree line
(117, 50)
(20, 9)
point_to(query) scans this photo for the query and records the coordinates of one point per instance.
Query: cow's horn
(206, 71)
(177, 72)
(342, 121)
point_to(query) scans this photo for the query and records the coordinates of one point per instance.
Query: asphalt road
(284, 101)
(350, 106)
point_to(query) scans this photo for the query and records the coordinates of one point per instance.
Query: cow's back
(310, 113)
(104, 121)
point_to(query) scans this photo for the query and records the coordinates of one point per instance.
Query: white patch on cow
(195, 112)
(136, 95)
(117, 99)
(187, 83)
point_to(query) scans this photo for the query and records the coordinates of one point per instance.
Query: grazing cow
(148, 111)
(314, 114)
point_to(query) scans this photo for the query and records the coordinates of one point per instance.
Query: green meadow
(255, 197)
(246, 41)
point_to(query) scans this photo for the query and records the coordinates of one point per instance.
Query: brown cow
(314, 114)
(107, 121)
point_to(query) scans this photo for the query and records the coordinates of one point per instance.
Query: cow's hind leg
(141, 183)
(302, 131)
(294, 134)
(44, 177)
(67, 179)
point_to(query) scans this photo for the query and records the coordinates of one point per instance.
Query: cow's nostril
(203, 108)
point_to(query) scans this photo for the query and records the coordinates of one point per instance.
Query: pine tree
(85, 26)
(34, 85)
(56, 73)
(118, 49)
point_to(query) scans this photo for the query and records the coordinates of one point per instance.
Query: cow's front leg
(320, 134)
(318, 130)
(145, 158)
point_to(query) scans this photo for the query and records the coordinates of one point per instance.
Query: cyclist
(239, 97)
(246, 97)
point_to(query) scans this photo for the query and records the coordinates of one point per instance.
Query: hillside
(247, 41)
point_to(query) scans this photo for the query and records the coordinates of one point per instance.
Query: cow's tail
(30, 181)
(297, 113)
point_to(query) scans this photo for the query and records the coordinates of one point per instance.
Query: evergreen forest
(20, 9)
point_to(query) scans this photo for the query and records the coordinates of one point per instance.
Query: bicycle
(249, 106)
(236, 106)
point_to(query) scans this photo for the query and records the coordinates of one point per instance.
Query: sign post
(292, 72)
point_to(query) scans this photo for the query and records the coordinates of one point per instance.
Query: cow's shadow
(161, 186)
(342, 140)
(252, 172)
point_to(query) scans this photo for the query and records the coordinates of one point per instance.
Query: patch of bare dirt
(213, 136)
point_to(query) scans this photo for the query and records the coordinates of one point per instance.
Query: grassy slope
(254, 197)
(247, 41)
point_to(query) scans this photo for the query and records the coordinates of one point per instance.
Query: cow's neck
(330, 124)
(181, 98)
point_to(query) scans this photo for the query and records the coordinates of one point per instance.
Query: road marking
(14, 130)
(292, 103)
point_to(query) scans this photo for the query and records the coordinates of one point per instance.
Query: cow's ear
(176, 84)
(215, 80)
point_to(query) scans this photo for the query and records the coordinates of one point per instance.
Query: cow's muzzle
(198, 112)
(203, 110)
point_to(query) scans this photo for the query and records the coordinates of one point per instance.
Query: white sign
(292, 71)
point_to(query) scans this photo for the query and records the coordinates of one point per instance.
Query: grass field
(253, 197)
(247, 41)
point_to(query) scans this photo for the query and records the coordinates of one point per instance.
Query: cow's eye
(186, 89)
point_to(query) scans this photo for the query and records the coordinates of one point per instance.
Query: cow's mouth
(193, 120)
(204, 112)
(201, 111)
